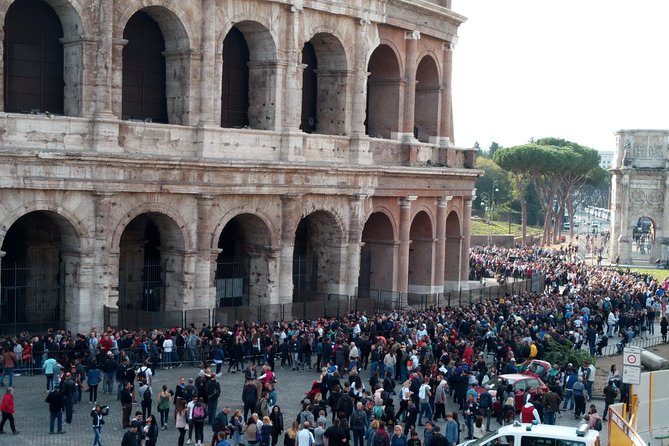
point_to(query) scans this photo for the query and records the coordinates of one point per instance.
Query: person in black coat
(131, 437)
(56, 409)
(411, 416)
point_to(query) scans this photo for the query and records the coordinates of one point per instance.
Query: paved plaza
(32, 413)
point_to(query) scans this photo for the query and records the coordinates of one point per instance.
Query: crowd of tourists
(413, 361)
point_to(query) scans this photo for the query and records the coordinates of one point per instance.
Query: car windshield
(536, 367)
(497, 382)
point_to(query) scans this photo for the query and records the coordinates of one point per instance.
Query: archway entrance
(150, 272)
(316, 257)
(643, 236)
(39, 272)
(420, 255)
(453, 247)
(377, 269)
(242, 271)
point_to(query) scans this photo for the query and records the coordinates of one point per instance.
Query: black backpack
(141, 375)
(358, 419)
(147, 395)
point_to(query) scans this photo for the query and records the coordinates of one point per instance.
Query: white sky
(573, 69)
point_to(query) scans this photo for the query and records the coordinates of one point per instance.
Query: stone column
(117, 76)
(446, 118)
(290, 212)
(103, 60)
(359, 88)
(106, 269)
(208, 69)
(466, 233)
(625, 241)
(292, 101)
(204, 292)
(354, 240)
(411, 39)
(440, 244)
(405, 243)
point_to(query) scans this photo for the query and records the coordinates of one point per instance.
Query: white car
(520, 434)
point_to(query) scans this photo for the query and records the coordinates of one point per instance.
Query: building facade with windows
(162, 155)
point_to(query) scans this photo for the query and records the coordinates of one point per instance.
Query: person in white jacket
(611, 323)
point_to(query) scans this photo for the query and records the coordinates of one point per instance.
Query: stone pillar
(440, 243)
(625, 242)
(359, 88)
(405, 243)
(117, 76)
(292, 101)
(204, 292)
(446, 118)
(103, 60)
(354, 243)
(411, 40)
(208, 69)
(106, 263)
(290, 212)
(466, 234)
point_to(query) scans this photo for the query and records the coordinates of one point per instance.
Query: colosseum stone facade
(168, 155)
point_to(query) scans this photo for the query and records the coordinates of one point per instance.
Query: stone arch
(378, 253)
(421, 252)
(245, 266)
(262, 72)
(70, 52)
(176, 57)
(384, 91)
(235, 212)
(318, 264)
(324, 85)
(40, 281)
(151, 269)
(428, 99)
(153, 208)
(453, 246)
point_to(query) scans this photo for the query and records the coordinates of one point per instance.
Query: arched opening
(324, 86)
(453, 247)
(421, 255)
(151, 268)
(254, 69)
(383, 93)
(39, 273)
(426, 111)
(144, 70)
(316, 257)
(242, 266)
(235, 87)
(377, 255)
(643, 235)
(309, 88)
(33, 59)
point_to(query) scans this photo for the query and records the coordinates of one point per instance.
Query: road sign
(631, 375)
(632, 356)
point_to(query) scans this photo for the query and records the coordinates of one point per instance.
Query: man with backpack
(485, 405)
(144, 373)
(213, 392)
(359, 425)
(424, 394)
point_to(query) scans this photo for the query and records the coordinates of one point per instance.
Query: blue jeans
(97, 431)
(549, 417)
(69, 408)
(212, 405)
(8, 371)
(108, 385)
(425, 409)
(568, 399)
(56, 416)
(588, 388)
(167, 359)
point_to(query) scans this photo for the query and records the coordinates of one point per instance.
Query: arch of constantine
(162, 155)
(640, 197)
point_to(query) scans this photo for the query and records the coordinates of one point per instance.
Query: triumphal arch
(640, 197)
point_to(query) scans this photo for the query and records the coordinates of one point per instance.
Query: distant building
(166, 156)
(605, 160)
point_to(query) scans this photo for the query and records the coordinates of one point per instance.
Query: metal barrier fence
(320, 305)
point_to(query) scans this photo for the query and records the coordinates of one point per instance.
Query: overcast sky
(573, 69)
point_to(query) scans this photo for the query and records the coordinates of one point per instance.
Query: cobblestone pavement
(32, 413)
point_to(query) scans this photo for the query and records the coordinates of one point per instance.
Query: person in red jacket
(7, 409)
(529, 413)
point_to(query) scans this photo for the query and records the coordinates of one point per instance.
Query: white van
(520, 434)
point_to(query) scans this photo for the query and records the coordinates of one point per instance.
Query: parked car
(536, 368)
(521, 385)
(518, 434)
